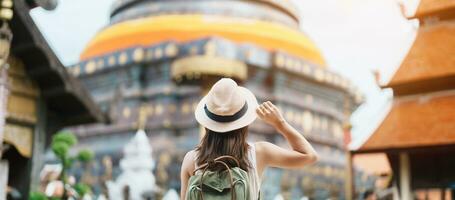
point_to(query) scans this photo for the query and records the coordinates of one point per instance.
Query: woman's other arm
(302, 152)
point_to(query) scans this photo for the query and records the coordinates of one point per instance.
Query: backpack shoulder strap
(203, 166)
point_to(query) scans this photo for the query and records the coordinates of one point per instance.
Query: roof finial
(143, 113)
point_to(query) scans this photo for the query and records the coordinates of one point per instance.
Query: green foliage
(37, 196)
(61, 145)
(85, 155)
(60, 149)
(82, 189)
(65, 137)
(67, 162)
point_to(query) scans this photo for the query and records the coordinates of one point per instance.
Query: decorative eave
(428, 66)
(418, 121)
(249, 54)
(435, 8)
(63, 93)
(45, 4)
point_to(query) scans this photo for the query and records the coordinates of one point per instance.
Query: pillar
(39, 145)
(405, 176)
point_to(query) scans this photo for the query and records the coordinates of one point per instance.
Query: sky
(356, 38)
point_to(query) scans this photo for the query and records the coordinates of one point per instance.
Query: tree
(61, 145)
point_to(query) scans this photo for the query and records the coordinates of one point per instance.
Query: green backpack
(230, 184)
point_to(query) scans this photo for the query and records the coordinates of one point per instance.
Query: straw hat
(226, 107)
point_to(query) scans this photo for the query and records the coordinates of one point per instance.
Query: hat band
(227, 118)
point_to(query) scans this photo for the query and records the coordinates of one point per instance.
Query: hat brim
(248, 118)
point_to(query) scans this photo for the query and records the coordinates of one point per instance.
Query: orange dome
(182, 28)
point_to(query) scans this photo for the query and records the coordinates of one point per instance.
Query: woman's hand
(268, 154)
(270, 114)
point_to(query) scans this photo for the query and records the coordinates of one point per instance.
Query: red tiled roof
(430, 58)
(416, 122)
(434, 7)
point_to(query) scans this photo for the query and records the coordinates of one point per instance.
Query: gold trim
(7, 3)
(171, 50)
(90, 67)
(22, 85)
(185, 109)
(307, 121)
(138, 55)
(20, 137)
(158, 53)
(345, 83)
(306, 69)
(319, 75)
(206, 65)
(111, 60)
(210, 48)
(126, 112)
(289, 64)
(328, 78)
(158, 109)
(123, 58)
(279, 60)
(21, 108)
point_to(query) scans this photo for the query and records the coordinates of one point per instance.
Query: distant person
(225, 113)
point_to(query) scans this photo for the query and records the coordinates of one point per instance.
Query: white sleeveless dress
(253, 175)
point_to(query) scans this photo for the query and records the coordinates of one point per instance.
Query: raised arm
(268, 154)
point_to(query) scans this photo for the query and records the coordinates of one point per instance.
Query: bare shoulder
(263, 148)
(190, 154)
(189, 161)
(262, 155)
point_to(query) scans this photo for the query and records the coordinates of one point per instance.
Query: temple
(150, 66)
(418, 133)
(38, 97)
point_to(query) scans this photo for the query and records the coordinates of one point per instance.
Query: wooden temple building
(38, 98)
(150, 66)
(418, 133)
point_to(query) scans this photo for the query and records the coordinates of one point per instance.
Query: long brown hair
(232, 143)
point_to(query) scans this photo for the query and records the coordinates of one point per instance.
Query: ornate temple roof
(273, 25)
(223, 49)
(63, 93)
(128, 9)
(155, 30)
(428, 65)
(417, 121)
(439, 8)
(423, 111)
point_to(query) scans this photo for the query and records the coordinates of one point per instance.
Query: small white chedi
(171, 195)
(137, 165)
